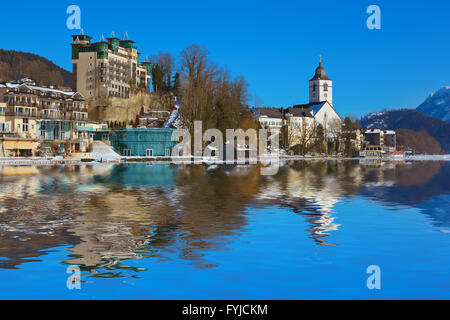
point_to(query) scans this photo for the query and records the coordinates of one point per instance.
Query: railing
(10, 113)
(61, 117)
(76, 109)
(22, 104)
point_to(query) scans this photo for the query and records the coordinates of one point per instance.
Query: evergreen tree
(157, 77)
(320, 137)
(176, 84)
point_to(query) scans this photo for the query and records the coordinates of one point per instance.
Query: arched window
(325, 87)
(314, 87)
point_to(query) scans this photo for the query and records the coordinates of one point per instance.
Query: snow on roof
(37, 88)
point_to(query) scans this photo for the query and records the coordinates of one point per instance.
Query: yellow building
(47, 115)
(299, 126)
(17, 147)
(271, 119)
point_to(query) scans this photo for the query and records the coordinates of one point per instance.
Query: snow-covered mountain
(437, 104)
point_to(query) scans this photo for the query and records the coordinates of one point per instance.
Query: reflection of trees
(417, 184)
(212, 204)
(106, 215)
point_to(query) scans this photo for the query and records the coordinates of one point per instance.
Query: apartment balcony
(22, 104)
(11, 113)
(78, 109)
(62, 117)
(52, 117)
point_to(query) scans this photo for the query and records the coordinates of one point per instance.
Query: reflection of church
(300, 192)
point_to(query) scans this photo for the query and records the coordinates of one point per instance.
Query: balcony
(12, 113)
(22, 104)
(62, 117)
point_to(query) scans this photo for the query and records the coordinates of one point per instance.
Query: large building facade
(44, 114)
(109, 68)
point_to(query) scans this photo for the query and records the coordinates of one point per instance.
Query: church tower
(320, 86)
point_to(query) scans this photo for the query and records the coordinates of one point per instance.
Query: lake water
(162, 231)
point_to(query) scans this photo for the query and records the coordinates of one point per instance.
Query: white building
(321, 102)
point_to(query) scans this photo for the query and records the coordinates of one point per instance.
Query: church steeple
(320, 86)
(320, 74)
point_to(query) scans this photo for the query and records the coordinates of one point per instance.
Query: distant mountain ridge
(412, 120)
(437, 104)
(16, 65)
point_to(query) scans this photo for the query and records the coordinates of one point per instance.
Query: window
(167, 153)
(42, 129)
(127, 153)
(25, 124)
(325, 87)
(149, 153)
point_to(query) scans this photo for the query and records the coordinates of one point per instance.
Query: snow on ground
(103, 152)
(444, 157)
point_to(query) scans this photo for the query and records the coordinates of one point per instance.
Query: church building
(300, 120)
(321, 101)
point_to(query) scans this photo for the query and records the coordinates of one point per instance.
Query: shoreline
(54, 161)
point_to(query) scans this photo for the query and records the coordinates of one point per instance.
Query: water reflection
(106, 215)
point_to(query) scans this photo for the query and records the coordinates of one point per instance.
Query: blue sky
(275, 45)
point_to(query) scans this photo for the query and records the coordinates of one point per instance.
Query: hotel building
(109, 68)
(30, 112)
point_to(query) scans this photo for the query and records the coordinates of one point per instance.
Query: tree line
(208, 92)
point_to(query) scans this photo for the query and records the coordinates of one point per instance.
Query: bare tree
(301, 139)
(209, 94)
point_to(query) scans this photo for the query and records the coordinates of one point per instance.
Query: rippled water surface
(161, 231)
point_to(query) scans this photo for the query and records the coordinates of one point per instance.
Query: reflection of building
(300, 191)
(107, 68)
(104, 214)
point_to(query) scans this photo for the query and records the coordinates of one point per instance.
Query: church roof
(313, 105)
(320, 74)
(299, 112)
(269, 112)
